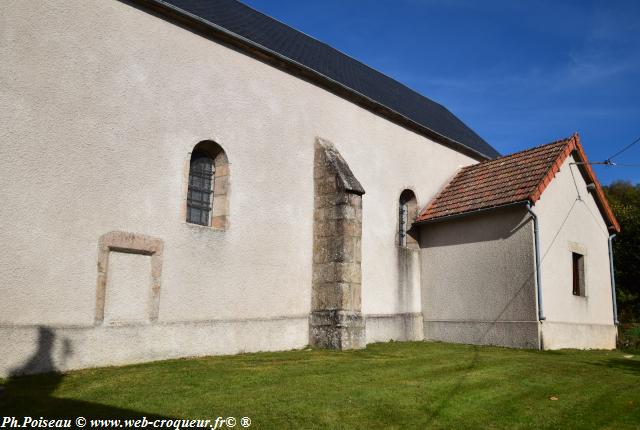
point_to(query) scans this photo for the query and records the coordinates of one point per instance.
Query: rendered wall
(570, 221)
(100, 106)
(478, 279)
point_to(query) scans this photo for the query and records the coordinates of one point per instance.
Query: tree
(624, 199)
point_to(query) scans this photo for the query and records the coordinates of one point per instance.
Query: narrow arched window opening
(207, 201)
(407, 212)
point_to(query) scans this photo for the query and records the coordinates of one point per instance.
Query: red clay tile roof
(519, 177)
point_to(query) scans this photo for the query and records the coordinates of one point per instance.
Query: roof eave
(575, 146)
(419, 222)
(600, 198)
(207, 28)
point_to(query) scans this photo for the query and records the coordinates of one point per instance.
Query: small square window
(578, 274)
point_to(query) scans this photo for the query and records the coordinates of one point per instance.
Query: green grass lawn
(392, 386)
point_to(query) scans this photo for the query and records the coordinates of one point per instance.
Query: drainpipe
(613, 281)
(536, 232)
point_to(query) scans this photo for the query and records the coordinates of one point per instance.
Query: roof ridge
(524, 151)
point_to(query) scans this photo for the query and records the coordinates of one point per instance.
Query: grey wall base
(517, 334)
(337, 330)
(39, 348)
(557, 335)
(402, 327)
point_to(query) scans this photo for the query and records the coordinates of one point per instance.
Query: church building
(192, 177)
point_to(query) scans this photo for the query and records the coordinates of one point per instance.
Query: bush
(624, 198)
(629, 337)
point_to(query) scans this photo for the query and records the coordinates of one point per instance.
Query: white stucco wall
(100, 106)
(128, 289)
(478, 279)
(570, 220)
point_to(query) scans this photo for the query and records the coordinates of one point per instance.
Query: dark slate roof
(285, 41)
(516, 178)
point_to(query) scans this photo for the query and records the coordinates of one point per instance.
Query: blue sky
(519, 73)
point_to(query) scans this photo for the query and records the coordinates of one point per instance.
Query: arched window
(407, 212)
(201, 180)
(207, 194)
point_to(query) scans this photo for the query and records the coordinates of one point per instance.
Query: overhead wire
(609, 161)
(623, 149)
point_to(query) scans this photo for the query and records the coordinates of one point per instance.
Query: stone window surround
(132, 243)
(219, 218)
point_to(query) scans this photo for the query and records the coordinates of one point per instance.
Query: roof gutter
(167, 9)
(472, 212)
(613, 281)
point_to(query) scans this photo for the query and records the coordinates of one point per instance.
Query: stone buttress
(336, 320)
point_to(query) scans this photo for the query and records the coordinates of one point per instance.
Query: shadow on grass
(625, 364)
(27, 395)
(437, 409)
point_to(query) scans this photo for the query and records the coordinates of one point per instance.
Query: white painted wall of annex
(100, 105)
(569, 218)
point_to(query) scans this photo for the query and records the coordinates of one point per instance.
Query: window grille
(403, 221)
(200, 195)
